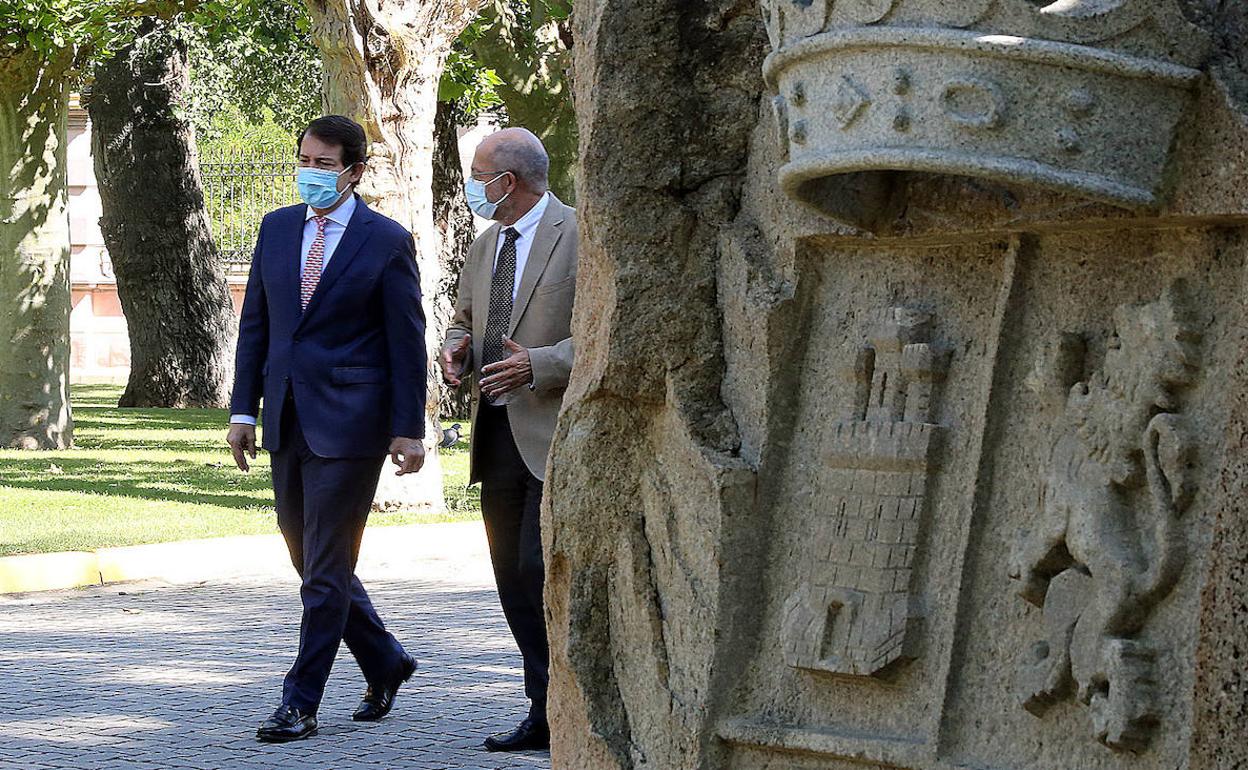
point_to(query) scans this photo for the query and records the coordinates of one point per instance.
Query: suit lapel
(357, 232)
(290, 260)
(544, 241)
(484, 280)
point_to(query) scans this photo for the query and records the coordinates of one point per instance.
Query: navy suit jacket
(355, 359)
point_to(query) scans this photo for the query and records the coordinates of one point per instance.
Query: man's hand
(508, 374)
(408, 454)
(452, 360)
(242, 441)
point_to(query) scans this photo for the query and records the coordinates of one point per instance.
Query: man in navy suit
(332, 339)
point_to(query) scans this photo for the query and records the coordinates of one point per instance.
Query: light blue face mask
(319, 188)
(474, 191)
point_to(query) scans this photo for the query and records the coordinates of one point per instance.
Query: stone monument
(909, 426)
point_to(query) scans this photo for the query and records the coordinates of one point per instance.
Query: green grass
(157, 475)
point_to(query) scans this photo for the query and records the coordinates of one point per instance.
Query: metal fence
(240, 187)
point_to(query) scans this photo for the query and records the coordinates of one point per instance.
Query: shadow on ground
(180, 480)
(179, 677)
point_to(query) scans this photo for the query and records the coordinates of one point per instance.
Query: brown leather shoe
(379, 700)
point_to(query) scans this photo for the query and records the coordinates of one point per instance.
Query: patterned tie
(499, 318)
(314, 264)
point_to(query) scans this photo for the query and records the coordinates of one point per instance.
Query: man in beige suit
(512, 337)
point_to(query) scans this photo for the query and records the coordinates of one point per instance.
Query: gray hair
(522, 153)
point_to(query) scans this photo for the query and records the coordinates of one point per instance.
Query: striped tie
(314, 264)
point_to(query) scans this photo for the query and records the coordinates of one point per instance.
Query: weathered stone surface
(1079, 97)
(1107, 547)
(633, 565)
(813, 433)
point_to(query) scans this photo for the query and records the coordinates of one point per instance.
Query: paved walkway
(152, 676)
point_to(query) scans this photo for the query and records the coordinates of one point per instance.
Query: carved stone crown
(1079, 96)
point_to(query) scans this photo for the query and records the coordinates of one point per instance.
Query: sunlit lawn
(157, 475)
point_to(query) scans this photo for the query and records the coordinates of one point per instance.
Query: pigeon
(450, 436)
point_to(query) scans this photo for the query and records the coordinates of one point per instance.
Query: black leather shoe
(529, 736)
(380, 699)
(287, 724)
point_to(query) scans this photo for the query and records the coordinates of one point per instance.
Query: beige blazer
(541, 321)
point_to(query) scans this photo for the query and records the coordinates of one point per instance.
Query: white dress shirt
(339, 218)
(527, 227)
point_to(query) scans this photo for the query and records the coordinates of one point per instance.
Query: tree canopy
(88, 27)
(538, 34)
(257, 63)
(250, 51)
(516, 58)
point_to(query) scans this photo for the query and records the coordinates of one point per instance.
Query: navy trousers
(511, 503)
(322, 506)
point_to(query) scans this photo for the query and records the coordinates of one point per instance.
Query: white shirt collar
(528, 223)
(340, 215)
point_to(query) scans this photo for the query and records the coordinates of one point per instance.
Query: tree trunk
(383, 60)
(169, 273)
(34, 254)
(453, 221)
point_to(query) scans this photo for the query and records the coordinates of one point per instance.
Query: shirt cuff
(242, 419)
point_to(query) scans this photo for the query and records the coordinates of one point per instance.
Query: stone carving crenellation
(852, 614)
(790, 544)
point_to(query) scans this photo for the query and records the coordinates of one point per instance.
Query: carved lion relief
(851, 614)
(1107, 545)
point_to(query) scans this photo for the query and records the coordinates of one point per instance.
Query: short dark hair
(341, 131)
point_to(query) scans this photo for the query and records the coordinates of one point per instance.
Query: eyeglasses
(494, 174)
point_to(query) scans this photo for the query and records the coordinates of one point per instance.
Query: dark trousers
(322, 506)
(511, 499)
